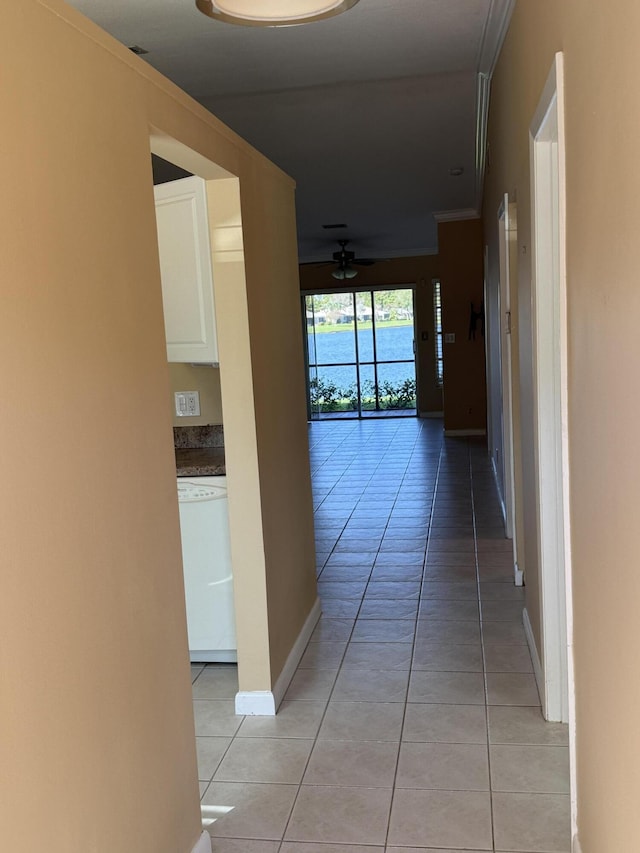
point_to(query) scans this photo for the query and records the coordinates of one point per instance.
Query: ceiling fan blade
(363, 262)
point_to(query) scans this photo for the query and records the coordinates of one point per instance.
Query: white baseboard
(295, 655)
(255, 703)
(518, 575)
(537, 666)
(576, 848)
(464, 432)
(265, 703)
(220, 656)
(203, 844)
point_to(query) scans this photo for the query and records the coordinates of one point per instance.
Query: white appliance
(208, 579)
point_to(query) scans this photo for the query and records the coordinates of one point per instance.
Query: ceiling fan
(346, 260)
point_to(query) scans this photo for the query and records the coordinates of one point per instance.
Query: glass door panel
(360, 349)
(367, 388)
(397, 385)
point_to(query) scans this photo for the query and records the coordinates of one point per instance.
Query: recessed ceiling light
(280, 13)
(456, 171)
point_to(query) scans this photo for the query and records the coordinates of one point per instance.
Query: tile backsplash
(210, 435)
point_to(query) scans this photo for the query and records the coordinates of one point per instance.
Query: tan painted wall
(206, 380)
(419, 271)
(460, 256)
(603, 255)
(95, 720)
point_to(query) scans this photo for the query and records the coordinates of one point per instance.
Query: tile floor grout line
(413, 645)
(482, 648)
(326, 707)
(459, 472)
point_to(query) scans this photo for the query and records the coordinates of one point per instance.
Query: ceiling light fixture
(276, 13)
(344, 272)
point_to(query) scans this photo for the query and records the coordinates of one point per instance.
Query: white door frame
(549, 309)
(506, 230)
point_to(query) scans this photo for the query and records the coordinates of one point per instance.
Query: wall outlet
(187, 404)
(450, 338)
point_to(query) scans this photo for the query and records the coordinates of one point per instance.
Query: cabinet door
(185, 268)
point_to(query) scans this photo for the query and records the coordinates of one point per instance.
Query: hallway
(413, 720)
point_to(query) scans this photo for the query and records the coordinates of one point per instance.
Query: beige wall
(419, 271)
(461, 274)
(95, 720)
(603, 255)
(206, 380)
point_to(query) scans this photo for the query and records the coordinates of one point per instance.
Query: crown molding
(493, 38)
(495, 30)
(456, 215)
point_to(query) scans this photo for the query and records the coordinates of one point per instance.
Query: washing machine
(208, 576)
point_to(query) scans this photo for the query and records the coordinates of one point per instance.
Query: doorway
(551, 447)
(360, 353)
(550, 388)
(507, 237)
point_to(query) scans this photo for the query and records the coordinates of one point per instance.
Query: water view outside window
(361, 353)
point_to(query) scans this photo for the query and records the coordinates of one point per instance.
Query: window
(437, 318)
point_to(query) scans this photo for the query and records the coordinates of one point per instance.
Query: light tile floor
(413, 721)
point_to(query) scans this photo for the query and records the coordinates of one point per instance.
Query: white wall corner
(265, 703)
(203, 844)
(535, 657)
(575, 847)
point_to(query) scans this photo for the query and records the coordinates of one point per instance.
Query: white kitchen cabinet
(185, 268)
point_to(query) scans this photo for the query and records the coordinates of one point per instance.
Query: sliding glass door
(360, 349)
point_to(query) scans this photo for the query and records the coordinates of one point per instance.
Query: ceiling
(368, 111)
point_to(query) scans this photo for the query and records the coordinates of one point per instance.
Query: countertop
(200, 461)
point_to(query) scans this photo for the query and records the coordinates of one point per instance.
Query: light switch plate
(187, 404)
(450, 338)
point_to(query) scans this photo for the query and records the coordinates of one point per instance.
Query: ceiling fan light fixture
(344, 272)
(276, 13)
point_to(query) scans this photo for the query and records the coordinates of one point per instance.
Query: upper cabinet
(185, 268)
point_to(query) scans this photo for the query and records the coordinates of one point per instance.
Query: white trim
(463, 432)
(483, 89)
(518, 575)
(548, 171)
(430, 414)
(503, 508)
(495, 31)
(456, 215)
(535, 657)
(295, 655)
(265, 703)
(550, 388)
(255, 703)
(494, 35)
(576, 848)
(203, 844)
(220, 656)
